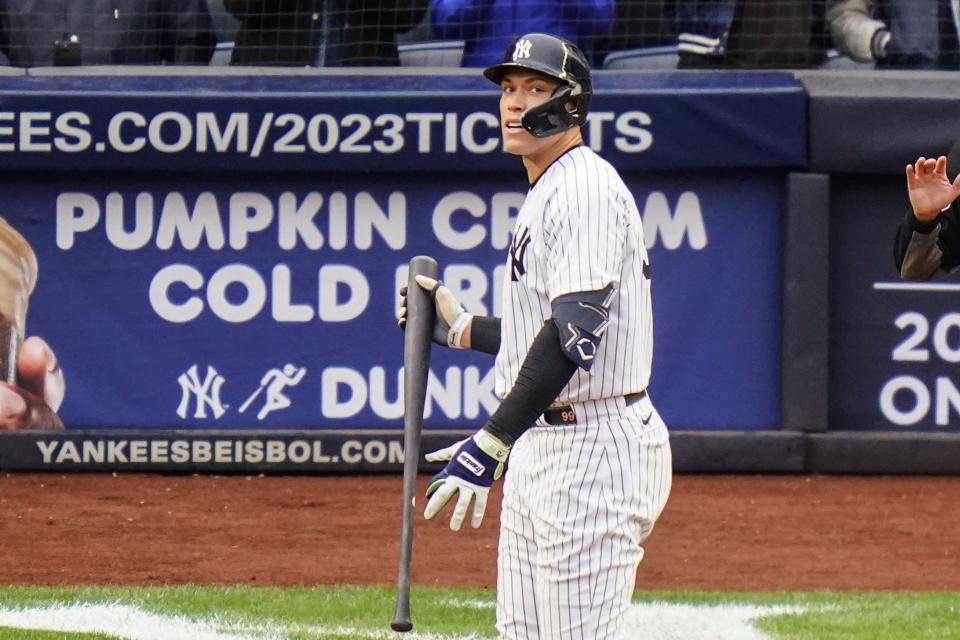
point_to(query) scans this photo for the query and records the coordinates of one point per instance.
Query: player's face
(522, 90)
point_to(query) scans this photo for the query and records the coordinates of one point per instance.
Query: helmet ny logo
(522, 49)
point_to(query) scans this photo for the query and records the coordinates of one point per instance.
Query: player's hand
(33, 405)
(450, 328)
(474, 464)
(929, 188)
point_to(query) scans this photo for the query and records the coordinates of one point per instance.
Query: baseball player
(927, 245)
(590, 461)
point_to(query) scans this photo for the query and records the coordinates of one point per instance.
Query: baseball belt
(561, 414)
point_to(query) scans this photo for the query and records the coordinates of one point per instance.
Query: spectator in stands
(321, 32)
(927, 244)
(749, 33)
(902, 34)
(637, 24)
(489, 26)
(71, 32)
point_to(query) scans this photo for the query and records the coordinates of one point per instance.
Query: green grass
(892, 616)
(832, 615)
(341, 613)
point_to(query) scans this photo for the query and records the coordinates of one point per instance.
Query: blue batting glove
(474, 465)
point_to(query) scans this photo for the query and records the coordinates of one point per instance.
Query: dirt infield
(718, 532)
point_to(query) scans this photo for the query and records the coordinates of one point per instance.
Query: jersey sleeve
(586, 230)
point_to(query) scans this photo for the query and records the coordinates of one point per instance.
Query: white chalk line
(661, 620)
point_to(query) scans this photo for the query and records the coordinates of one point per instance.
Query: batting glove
(474, 464)
(451, 319)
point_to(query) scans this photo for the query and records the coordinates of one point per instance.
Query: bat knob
(401, 625)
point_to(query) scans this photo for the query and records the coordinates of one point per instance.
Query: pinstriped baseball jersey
(579, 499)
(578, 502)
(579, 230)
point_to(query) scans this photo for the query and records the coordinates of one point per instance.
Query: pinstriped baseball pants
(579, 500)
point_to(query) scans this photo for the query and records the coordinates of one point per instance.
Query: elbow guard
(582, 318)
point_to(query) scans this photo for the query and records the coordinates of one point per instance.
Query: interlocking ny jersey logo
(521, 49)
(518, 251)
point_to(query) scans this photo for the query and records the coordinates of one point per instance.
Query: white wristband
(490, 446)
(455, 335)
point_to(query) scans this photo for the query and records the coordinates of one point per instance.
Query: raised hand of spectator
(930, 188)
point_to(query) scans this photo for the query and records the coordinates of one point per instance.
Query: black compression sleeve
(485, 334)
(545, 372)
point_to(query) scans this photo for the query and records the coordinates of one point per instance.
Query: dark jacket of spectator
(637, 23)
(321, 32)
(749, 34)
(67, 32)
(489, 26)
(906, 34)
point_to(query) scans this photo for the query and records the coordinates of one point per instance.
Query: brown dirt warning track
(742, 532)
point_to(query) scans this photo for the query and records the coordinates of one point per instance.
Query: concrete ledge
(846, 452)
(738, 451)
(183, 71)
(381, 451)
(340, 451)
(878, 82)
(856, 118)
(884, 452)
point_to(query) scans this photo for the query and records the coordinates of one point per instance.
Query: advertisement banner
(894, 345)
(397, 122)
(186, 303)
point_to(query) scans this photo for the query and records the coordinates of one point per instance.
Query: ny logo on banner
(207, 393)
(522, 49)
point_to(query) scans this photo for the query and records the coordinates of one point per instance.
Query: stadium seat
(434, 53)
(221, 55)
(664, 57)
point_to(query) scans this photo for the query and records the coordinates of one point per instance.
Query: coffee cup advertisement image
(31, 387)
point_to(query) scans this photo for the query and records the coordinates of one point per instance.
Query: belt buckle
(560, 415)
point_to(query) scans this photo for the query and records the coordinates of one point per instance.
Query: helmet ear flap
(561, 112)
(576, 105)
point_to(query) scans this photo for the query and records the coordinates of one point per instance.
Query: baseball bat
(416, 367)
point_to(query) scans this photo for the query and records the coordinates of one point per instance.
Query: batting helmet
(561, 60)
